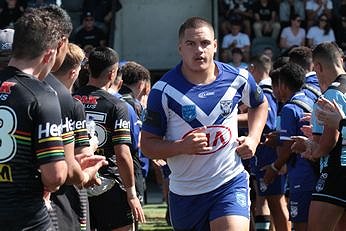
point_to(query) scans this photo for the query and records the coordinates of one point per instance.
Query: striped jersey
(112, 124)
(30, 119)
(177, 107)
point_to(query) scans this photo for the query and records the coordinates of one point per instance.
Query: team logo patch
(241, 199)
(293, 210)
(321, 182)
(189, 112)
(226, 107)
(258, 93)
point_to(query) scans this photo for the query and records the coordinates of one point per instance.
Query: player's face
(197, 48)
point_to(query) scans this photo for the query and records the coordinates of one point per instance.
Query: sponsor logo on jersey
(67, 125)
(122, 124)
(5, 87)
(5, 173)
(189, 112)
(76, 125)
(49, 130)
(226, 107)
(87, 99)
(205, 94)
(218, 137)
(5, 90)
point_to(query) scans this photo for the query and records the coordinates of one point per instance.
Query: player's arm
(156, 147)
(327, 142)
(53, 175)
(257, 118)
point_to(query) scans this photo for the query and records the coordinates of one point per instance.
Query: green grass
(155, 216)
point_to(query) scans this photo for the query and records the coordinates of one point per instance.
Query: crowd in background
(253, 25)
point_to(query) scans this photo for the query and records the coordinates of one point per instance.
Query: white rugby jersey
(176, 107)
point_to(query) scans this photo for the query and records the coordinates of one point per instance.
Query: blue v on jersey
(176, 108)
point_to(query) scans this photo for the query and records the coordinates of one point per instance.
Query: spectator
(288, 8)
(322, 32)
(102, 11)
(237, 58)
(340, 33)
(240, 10)
(293, 35)
(315, 8)
(90, 36)
(40, 3)
(10, 11)
(265, 17)
(6, 39)
(236, 39)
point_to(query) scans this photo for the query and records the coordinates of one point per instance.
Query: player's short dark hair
(292, 75)
(194, 22)
(262, 62)
(100, 59)
(61, 17)
(327, 52)
(133, 72)
(302, 56)
(35, 32)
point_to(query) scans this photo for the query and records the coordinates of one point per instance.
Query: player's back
(30, 137)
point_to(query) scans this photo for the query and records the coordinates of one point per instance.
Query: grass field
(155, 216)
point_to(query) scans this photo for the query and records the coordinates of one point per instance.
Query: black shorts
(330, 186)
(110, 210)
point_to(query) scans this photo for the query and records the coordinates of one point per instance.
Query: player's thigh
(230, 223)
(323, 216)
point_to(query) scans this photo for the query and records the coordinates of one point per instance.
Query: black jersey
(66, 106)
(112, 123)
(79, 127)
(30, 136)
(67, 198)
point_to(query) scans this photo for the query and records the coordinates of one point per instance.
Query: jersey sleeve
(252, 94)
(330, 94)
(288, 123)
(155, 119)
(80, 131)
(121, 132)
(48, 145)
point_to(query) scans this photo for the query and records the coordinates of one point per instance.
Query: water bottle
(90, 125)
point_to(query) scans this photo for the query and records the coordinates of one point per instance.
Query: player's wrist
(131, 192)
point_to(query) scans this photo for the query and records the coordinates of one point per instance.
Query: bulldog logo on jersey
(189, 112)
(258, 93)
(226, 107)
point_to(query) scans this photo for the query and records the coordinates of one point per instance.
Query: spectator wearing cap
(237, 58)
(6, 39)
(236, 39)
(89, 35)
